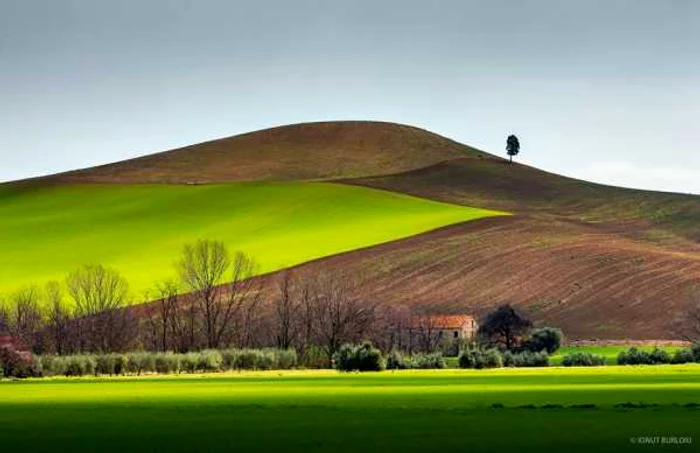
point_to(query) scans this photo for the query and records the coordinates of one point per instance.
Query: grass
(140, 230)
(579, 409)
(609, 352)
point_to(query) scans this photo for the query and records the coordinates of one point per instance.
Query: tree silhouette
(512, 147)
(505, 326)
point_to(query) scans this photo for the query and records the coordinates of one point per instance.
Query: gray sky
(602, 90)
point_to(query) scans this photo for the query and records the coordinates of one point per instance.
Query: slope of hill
(140, 230)
(599, 261)
(328, 150)
(592, 283)
(529, 191)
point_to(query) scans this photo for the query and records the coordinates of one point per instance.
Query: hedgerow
(15, 364)
(480, 358)
(395, 360)
(583, 359)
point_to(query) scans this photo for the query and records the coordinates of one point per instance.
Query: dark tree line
(213, 302)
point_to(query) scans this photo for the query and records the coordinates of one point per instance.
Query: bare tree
(25, 318)
(425, 331)
(203, 268)
(100, 296)
(286, 306)
(392, 327)
(59, 319)
(4, 319)
(161, 313)
(185, 325)
(340, 317)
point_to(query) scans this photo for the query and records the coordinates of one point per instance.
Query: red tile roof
(442, 321)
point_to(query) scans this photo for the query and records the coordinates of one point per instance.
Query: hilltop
(309, 151)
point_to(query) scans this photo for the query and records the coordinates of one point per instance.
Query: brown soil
(343, 149)
(593, 284)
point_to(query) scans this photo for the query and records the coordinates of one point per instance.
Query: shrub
(362, 357)
(210, 360)
(695, 350)
(79, 365)
(583, 359)
(148, 362)
(268, 359)
(659, 356)
(167, 363)
(313, 357)
(104, 364)
(120, 363)
(259, 359)
(526, 359)
(683, 356)
(395, 360)
(286, 359)
(141, 362)
(228, 359)
(634, 356)
(249, 359)
(480, 358)
(544, 339)
(428, 361)
(189, 362)
(53, 365)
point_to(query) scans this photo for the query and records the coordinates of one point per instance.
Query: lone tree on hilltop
(512, 147)
(505, 326)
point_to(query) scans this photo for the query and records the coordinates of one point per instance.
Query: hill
(140, 230)
(326, 150)
(598, 261)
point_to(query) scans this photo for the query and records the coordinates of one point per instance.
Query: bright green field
(140, 230)
(326, 411)
(609, 352)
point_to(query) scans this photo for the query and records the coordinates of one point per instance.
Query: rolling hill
(326, 150)
(48, 231)
(598, 261)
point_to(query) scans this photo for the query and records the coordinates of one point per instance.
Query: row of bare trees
(88, 313)
(215, 301)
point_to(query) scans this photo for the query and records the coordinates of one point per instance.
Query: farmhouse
(455, 327)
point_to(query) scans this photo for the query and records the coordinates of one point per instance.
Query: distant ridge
(308, 151)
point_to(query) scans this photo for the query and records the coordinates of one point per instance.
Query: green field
(543, 410)
(609, 352)
(140, 230)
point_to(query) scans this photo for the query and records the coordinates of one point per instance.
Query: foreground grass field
(140, 230)
(580, 410)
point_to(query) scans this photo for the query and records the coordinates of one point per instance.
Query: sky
(606, 90)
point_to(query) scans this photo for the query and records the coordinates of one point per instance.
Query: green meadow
(46, 232)
(604, 409)
(609, 352)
